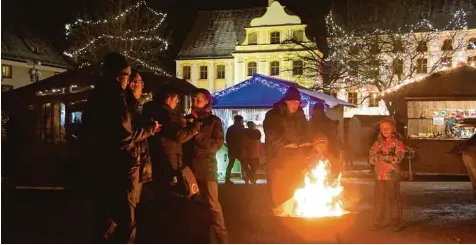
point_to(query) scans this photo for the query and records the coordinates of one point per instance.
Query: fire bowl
(312, 230)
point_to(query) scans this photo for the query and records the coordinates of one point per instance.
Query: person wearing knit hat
(385, 155)
(292, 98)
(286, 144)
(200, 155)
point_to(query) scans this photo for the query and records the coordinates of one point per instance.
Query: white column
(211, 76)
(195, 73)
(244, 72)
(229, 73)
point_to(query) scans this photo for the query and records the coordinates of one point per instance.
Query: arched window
(274, 68)
(252, 38)
(447, 45)
(252, 68)
(472, 43)
(275, 37)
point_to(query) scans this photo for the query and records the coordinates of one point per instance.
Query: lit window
(203, 72)
(472, 43)
(352, 97)
(274, 68)
(297, 67)
(373, 99)
(220, 72)
(252, 68)
(398, 66)
(6, 71)
(275, 37)
(422, 66)
(187, 72)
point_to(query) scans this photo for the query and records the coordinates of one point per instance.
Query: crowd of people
(156, 158)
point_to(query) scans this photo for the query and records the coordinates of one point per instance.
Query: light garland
(342, 40)
(126, 37)
(281, 87)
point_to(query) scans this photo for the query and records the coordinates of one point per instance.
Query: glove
(196, 125)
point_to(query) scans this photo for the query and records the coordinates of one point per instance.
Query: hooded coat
(284, 165)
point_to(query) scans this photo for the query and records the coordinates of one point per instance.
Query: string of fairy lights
(128, 36)
(343, 41)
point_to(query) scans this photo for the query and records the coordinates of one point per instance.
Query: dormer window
(252, 38)
(275, 37)
(422, 46)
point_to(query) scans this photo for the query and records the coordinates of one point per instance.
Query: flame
(319, 197)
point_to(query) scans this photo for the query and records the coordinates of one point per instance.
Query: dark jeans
(387, 199)
(209, 191)
(231, 163)
(115, 207)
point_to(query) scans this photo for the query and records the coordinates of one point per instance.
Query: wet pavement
(435, 212)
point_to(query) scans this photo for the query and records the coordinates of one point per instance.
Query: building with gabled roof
(27, 58)
(226, 47)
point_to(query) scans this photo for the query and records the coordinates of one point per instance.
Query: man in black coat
(285, 128)
(202, 151)
(111, 142)
(234, 137)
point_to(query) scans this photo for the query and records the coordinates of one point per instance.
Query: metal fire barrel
(310, 230)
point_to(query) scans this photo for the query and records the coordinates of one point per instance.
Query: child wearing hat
(385, 155)
(320, 151)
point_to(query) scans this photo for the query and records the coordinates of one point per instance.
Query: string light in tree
(143, 41)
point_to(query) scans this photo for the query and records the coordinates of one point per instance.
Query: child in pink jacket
(385, 156)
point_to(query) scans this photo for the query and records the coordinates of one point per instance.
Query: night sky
(47, 18)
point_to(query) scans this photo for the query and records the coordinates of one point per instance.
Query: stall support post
(410, 172)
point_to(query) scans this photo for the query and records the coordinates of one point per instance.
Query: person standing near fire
(285, 128)
(201, 152)
(251, 145)
(385, 155)
(234, 137)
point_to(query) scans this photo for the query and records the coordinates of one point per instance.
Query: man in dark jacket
(234, 136)
(203, 149)
(285, 128)
(111, 141)
(167, 158)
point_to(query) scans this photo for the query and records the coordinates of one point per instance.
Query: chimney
(270, 2)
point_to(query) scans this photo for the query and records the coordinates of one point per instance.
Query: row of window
(252, 68)
(421, 65)
(275, 37)
(352, 97)
(421, 47)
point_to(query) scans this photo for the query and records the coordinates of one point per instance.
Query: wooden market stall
(44, 119)
(431, 114)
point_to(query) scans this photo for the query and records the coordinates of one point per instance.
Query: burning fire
(320, 197)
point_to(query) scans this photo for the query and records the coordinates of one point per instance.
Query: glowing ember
(320, 197)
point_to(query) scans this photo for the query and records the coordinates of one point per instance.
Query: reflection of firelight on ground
(320, 197)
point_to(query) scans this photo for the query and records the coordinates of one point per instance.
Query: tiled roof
(30, 47)
(215, 33)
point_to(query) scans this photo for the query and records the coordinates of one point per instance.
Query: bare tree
(127, 26)
(379, 48)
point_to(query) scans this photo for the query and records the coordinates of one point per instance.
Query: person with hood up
(201, 157)
(385, 155)
(285, 128)
(112, 141)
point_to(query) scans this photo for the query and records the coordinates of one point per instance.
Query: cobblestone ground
(435, 212)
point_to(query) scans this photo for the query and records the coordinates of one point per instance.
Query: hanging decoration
(144, 40)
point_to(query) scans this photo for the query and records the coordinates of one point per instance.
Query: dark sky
(47, 17)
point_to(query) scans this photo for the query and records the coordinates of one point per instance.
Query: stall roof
(454, 82)
(262, 91)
